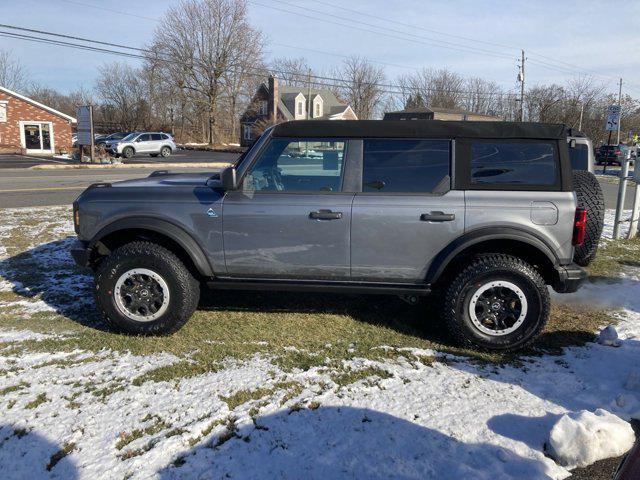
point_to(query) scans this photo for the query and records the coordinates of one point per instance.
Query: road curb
(109, 166)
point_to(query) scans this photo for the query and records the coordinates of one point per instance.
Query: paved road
(182, 156)
(30, 188)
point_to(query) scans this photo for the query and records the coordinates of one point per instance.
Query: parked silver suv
(149, 143)
(481, 216)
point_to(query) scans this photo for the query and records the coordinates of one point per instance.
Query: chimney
(274, 98)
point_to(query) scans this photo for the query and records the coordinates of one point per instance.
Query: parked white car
(150, 143)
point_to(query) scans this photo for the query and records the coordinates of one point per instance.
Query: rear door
(406, 212)
(290, 217)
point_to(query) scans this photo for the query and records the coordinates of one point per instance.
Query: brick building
(29, 127)
(274, 103)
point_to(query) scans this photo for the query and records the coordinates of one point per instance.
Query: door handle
(325, 215)
(437, 217)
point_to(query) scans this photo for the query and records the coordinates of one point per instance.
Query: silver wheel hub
(498, 308)
(141, 294)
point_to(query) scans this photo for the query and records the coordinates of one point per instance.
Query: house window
(263, 107)
(300, 107)
(246, 132)
(318, 114)
(3, 111)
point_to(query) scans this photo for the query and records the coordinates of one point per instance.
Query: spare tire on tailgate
(590, 197)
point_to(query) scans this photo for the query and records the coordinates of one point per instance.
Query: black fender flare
(176, 233)
(448, 253)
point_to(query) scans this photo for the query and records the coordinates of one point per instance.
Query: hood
(162, 178)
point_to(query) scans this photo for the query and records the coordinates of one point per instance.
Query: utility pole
(620, 104)
(309, 94)
(521, 80)
(581, 114)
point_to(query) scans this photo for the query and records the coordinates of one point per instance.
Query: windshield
(130, 137)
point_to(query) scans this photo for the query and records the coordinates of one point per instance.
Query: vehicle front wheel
(142, 288)
(498, 302)
(128, 152)
(165, 152)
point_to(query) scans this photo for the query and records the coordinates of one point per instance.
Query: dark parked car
(611, 154)
(483, 215)
(114, 137)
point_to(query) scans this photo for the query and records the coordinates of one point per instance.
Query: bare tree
(123, 94)
(204, 40)
(293, 72)
(12, 74)
(361, 86)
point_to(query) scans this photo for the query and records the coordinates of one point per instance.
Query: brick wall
(19, 110)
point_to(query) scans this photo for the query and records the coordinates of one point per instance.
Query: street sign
(613, 118)
(83, 114)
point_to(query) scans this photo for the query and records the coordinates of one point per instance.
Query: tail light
(579, 226)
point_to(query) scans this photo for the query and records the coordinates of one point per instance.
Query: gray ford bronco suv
(481, 216)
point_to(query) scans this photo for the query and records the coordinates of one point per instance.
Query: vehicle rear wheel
(497, 303)
(142, 288)
(127, 152)
(165, 152)
(590, 196)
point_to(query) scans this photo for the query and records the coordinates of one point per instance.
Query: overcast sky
(598, 37)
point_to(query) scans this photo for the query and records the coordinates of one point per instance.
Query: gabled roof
(330, 102)
(38, 104)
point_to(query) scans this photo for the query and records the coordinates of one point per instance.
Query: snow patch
(580, 439)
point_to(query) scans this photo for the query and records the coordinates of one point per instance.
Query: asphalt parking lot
(181, 156)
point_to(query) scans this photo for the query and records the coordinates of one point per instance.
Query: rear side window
(514, 163)
(157, 136)
(405, 166)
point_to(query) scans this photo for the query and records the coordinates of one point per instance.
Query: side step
(226, 283)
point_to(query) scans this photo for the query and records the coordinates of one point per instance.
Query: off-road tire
(165, 152)
(493, 267)
(184, 288)
(128, 152)
(590, 197)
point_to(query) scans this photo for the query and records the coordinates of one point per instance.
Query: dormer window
(300, 108)
(262, 109)
(318, 106)
(318, 111)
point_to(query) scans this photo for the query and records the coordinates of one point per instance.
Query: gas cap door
(544, 213)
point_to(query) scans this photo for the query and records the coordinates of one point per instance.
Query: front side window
(297, 166)
(405, 166)
(146, 137)
(513, 163)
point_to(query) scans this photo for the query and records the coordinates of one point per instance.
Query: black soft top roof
(418, 129)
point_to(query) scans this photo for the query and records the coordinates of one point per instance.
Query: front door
(289, 218)
(37, 137)
(406, 212)
(144, 143)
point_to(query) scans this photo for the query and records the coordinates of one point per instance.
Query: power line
(111, 10)
(377, 32)
(438, 32)
(323, 80)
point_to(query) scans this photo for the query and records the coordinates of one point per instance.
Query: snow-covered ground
(77, 414)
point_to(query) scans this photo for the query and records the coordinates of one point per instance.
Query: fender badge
(211, 212)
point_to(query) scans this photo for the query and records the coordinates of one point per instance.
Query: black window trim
(451, 142)
(258, 155)
(463, 167)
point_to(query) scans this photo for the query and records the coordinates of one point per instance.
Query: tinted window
(579, 156)
(144, 137)
(157, 136)
(404, 165)
(301, 165)
(521, 163)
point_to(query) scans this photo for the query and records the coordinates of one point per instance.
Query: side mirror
(228, 178)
